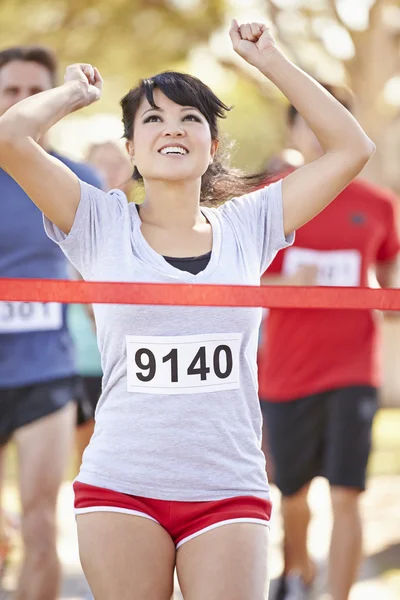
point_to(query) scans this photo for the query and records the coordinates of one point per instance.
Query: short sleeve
(97, 216)
(258, 216)
(390, 245)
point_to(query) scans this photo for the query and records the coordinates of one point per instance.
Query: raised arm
(346, 147)
(52, 186)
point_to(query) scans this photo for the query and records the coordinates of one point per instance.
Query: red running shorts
(182, 520)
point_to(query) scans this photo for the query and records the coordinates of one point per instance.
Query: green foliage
(256, 124)
(129, 37)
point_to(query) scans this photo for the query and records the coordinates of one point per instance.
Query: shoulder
(82, 170)
(104, 208)
(259, 197)
(92, 193)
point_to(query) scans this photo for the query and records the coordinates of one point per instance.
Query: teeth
(173, 150)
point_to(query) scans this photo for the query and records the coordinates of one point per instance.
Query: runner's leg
(351, 414)
(126, 557)
(226, 563)
(295, 432)
(3, 521)
(296, 517)
(346, 542)
(5, 529)
(44, 448)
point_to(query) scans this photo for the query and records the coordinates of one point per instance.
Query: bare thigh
(3, 524)
(125, 557)
(226, 563)
(44, 448)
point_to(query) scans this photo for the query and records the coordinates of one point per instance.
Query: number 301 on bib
(192, 364)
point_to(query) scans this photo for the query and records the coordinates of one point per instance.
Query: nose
(174, 131)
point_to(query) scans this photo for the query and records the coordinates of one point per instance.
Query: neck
(174, 204)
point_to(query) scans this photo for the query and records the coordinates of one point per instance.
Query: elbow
(357, 154)
(369, 148)
(364, 151)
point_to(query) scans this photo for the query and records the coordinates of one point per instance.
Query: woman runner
(174, 474)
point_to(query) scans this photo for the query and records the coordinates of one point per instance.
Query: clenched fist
(90, 79)
(253, 42)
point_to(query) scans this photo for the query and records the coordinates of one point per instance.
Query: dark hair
(341, 93)
(38, 54)
(220, 182)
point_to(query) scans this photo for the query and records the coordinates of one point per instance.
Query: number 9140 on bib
(192, 364)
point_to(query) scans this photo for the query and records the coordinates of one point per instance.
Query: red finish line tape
(50, 290)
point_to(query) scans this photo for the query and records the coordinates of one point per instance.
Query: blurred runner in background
(39, 385)
(319, 370)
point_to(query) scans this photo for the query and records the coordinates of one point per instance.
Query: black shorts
(24, 405)
(326, 434)
(87, 401)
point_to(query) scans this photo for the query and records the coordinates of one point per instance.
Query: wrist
(77, 94)
(272, 62)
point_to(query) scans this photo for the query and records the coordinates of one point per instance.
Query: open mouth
(173, 151)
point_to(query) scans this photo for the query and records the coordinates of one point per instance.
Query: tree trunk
(376, 61)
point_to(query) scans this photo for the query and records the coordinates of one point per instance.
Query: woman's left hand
(253, 42)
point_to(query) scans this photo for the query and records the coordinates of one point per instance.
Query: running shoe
(280, 589)
(296, 589)
(292, 587)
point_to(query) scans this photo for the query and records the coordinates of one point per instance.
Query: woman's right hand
(90, 80)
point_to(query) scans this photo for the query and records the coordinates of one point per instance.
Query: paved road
(380, 574)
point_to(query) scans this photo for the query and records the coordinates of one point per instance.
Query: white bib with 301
(19, 317)
(335, 267)
(190, 364)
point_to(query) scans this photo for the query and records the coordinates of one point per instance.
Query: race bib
(18, 317)
(335, 267)
(193, 364)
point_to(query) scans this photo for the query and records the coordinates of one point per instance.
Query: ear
(213, 150)
(130, 149)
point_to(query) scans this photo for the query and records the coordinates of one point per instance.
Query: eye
(192, 117)
(152, 119)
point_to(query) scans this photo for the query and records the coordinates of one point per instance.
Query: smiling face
(171, 142)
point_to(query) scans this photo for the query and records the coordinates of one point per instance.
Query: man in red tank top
(319, 371)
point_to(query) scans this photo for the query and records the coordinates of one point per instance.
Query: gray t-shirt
(179, 416)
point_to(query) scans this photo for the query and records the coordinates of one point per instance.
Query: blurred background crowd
(352, 44)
